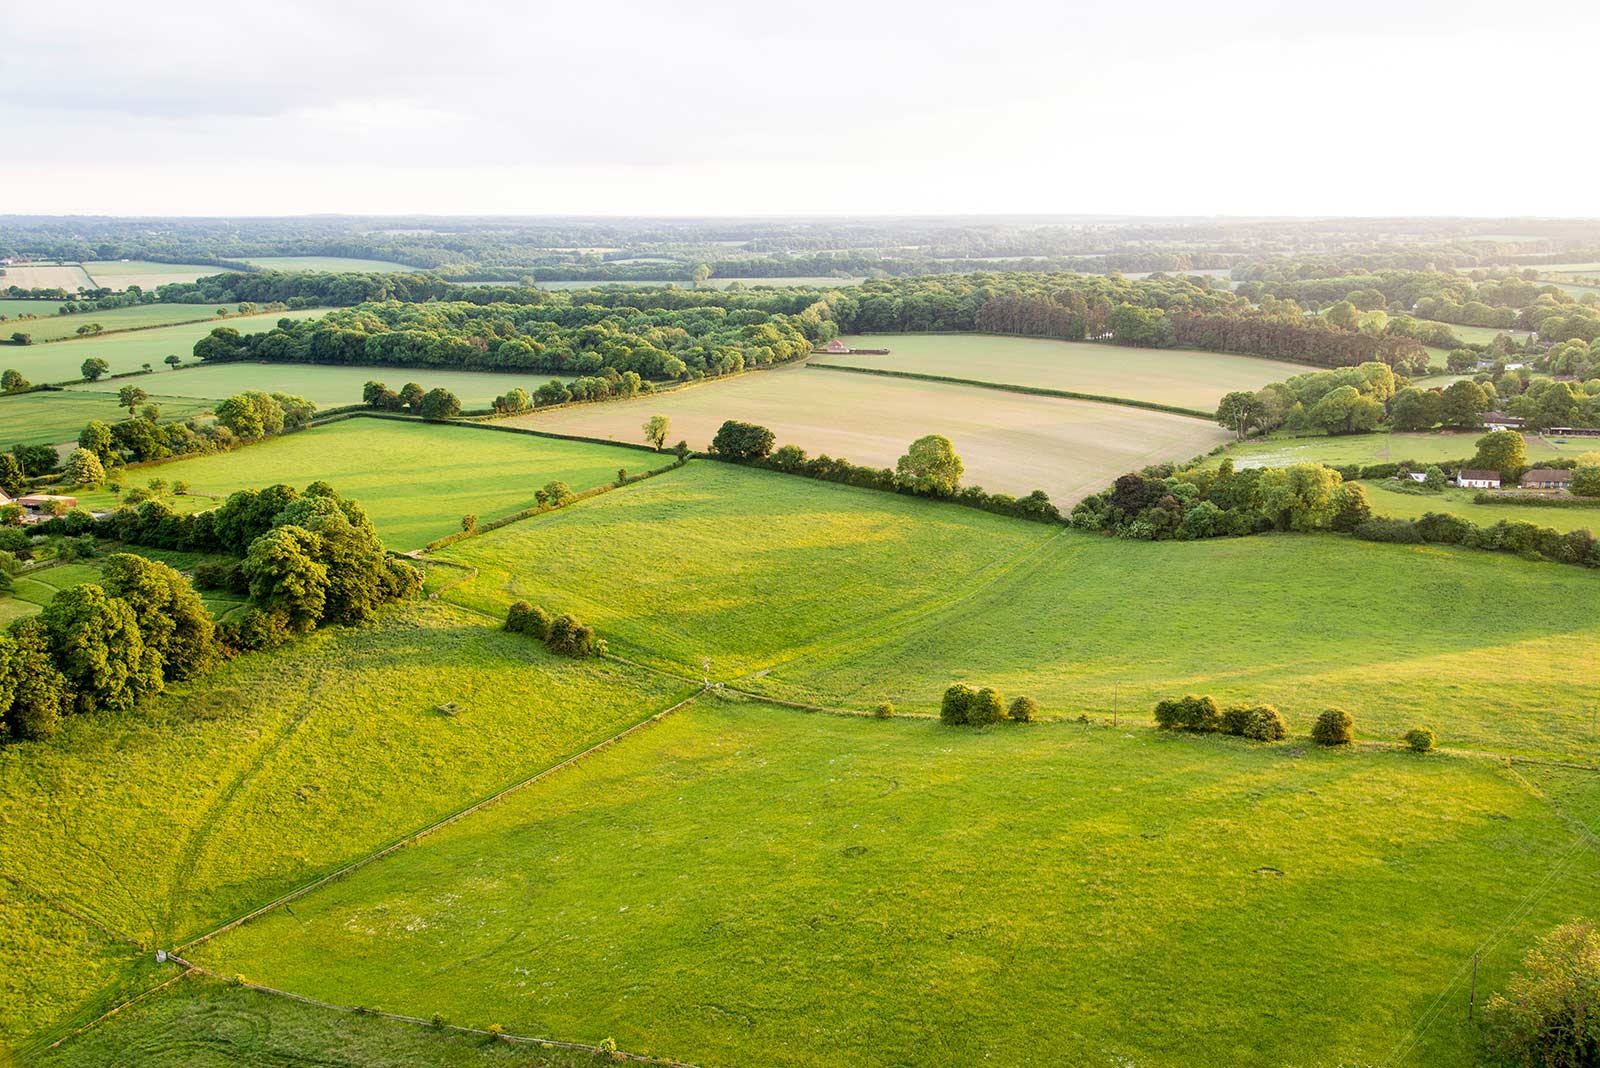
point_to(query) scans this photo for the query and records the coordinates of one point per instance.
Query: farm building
(1573, 432)
(1478, 479)
(1547, 478)
(1501, 421)
(41, 506)
(839, 348)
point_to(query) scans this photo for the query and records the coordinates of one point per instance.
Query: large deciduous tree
(930, 466)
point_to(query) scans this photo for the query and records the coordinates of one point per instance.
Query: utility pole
(1472, 999)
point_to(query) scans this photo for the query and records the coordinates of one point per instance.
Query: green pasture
(1281, 450)
(138, 317)
(719, 549)
(742, 884)
(416, 480)
(1482, 335)
(1404, 505)
(330, 386)
(1164, 376)
(146, 274)
(129, 350)
(56, 416)
(34, 589)
(14, 309)
(206, 1023)
(324, 263)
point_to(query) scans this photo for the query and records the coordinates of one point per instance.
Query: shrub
(439, 1019)
(1189, 713)
(1547, 1015)
(221, 573)
(987, 707)
(469, 523)
(742, 442)
(496, 1031)
(525, 618)
(883, 710)
(957, 699)
(1024, 710)
(1235, 718)
(569, 637)
(1259, 723)
(1333, 727)
(556, 494)
(1420, 739)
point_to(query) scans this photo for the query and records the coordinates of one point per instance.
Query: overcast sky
(1236, 107)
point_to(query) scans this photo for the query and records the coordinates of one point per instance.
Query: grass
(1460, 502)
(324, 263)
(15, 309)
(56, 417)
(1014, 443)
(35, 589)
(139, 317)
(1277, 450)
(1482, 335)
(694, 563)
(741, 884)
(68, 276)
(276, 768)
(146, 274)
(329, 386)
(205, 1023)
(416, 480)
(125, 352)
(1165, 376)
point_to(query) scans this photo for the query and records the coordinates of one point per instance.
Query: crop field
(329, 386)
(1402, 505)
(324, 263)
(205, 1023)
(1281, 450)
(142, 316)
(702, 597)
(146, 274)
(128, 351)
(1010, 442)
(16, 309)
(276, 768)
(415, 480)
(68, 276)
(55, 417)
(1164, 376)
(767, 874)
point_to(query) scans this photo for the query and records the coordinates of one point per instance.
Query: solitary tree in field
(656, 429)
(130, 397)
(13, 382)
(93, 368)
(173, 360)
(19, 338)
(931, 466)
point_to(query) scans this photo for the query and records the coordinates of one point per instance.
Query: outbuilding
(1547, 478)
(1469, 479)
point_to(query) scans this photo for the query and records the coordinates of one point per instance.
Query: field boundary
(415, 836)
(1008, 387)
(356, 1010)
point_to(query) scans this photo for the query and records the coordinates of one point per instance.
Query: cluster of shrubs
(1160, 503)
(561, 634)
(748, 443)
(1507, 536)
(971, 706)
(1263, 723)
(434, 405)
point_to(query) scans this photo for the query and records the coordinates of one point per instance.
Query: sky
(1161, 107)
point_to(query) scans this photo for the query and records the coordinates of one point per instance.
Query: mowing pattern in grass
(281, 767)
(1399, 635)
(1279, 451)
(204, 1023)
(141, 316)
(747, 567)
(56, 417)
(766, 878)
(331, 387)
(1460, 502)
(1164, 376)
(1013, 443)
(416, 480)
(125, 352)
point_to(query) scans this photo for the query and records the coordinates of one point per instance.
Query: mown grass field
(55, 417)
(725, 547)
(16, 309)
(139, 317)
(146, 274)
(1482, 335)
(205, 1023)
(59, 362)
(748, 885)
(1278, 450)
(1164, 376)
(276, 768)
(329, 386)
(325, 263)
(1460, 502)
(1010, 442)
(68, 276)
(416, 480)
